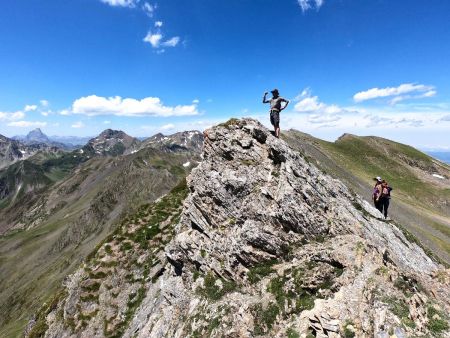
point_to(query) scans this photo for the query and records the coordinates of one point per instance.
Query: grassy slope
(146, 230)
(34, 262)
(22, 183)
(418, 203)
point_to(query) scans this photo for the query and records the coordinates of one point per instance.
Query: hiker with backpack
(275, 109)
(384, 198)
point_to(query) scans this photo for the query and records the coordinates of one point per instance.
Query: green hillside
(70, 218)
(420, 200)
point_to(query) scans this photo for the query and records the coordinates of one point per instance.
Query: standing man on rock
(275, 109)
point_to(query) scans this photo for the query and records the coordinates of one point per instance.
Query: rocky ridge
(12, 150)
(267, 246)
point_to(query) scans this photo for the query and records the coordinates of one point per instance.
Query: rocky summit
(266, 245)
(110, 142)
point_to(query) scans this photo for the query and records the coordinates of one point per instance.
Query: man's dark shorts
(275, 118)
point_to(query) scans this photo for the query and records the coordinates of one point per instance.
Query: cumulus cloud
(158, 24)
(94, 105)
(154, 39)
(27, 124)
(18, 115)
(310, 4)
(44, 103)
(315, 114)
(397, 94)
(311, 104)
(30, 107)
(121, 3)
(78, 124)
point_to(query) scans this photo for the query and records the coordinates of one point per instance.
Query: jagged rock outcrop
(182, 141)
(268, 245)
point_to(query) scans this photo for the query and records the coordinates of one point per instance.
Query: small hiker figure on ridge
(385, 198)
(381, 196)
(275, 109)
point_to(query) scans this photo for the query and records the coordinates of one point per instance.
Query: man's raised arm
(264, 98)
(286, 103)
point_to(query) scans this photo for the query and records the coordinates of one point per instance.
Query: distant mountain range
(36, 136)
(69, 201)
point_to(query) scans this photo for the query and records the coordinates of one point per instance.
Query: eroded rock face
(267, 245)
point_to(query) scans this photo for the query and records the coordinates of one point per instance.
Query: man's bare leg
(277, 132)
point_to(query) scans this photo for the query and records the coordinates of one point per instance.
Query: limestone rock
(267, 244)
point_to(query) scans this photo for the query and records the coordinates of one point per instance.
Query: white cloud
(106, 122)
(94, 105)
(149, 9)
(45, 113)
(156, 40)
(44, 103)
(310, 4)
(65, 112)
(158, 24)
(311, 104)
(78, 124)
(323, 119)
(310, 113)
(27, 124)
(167, 126)
(196, 101)
(121, 3)
(30, 107)
(12, 116)
(400, 93)
(171, 42)
(153, 39)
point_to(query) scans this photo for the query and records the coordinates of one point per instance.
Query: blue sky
(369, 67)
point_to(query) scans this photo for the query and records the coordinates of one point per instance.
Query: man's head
(275, 92)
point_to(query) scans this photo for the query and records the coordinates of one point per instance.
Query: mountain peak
(111, 142)
(346, 136)
(36, 135)
(265, 234)
(110, 133)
